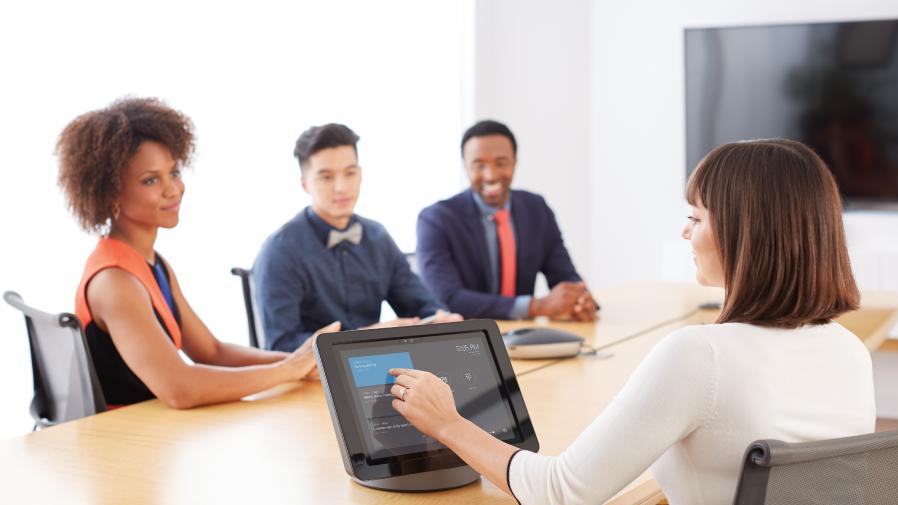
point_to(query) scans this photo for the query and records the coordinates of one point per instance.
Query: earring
(116, 210)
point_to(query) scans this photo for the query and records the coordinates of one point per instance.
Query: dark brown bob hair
(776, 216)
(95, 148)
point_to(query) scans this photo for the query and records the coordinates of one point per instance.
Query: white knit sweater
(695, 403)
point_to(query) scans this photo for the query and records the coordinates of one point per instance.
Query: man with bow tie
(328, 264)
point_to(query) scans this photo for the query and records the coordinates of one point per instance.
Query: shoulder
(528, 199)
(533, 208)
(682, 368)
(687, 351)
(454, 205)
(689, 340)
(114, 278)
(841, 339)
(285, 252)
(740, 335)
(849, 346)
(373, 229)
(838, 331)
(291, 235)
(113, 287)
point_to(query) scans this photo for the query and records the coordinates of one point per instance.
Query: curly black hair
(95, 148)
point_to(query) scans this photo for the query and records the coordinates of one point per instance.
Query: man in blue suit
(480, 250)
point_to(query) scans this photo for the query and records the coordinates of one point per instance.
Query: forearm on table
(486, 454)
(230, 355)
(209, 384)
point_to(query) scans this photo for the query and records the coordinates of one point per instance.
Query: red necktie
(507, 252)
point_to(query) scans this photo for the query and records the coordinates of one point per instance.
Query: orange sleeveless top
(111, 253)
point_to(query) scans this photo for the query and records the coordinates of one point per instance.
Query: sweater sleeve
(671, 393)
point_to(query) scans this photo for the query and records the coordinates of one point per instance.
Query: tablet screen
(462, 360)
(377, 443)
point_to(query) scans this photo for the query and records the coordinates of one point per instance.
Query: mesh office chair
(253, 321)
(65, 382)
(860, 470)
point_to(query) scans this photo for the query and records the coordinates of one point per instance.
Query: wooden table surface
(279, 446)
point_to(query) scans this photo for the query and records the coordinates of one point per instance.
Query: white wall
(637, 135)
(594, 92)
(531, 72)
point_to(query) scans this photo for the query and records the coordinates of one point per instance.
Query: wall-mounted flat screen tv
(833, 86)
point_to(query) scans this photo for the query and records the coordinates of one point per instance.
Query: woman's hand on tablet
(425, 400)
(301, 362)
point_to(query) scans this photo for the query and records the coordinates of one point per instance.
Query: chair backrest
(65, 382)
(253, 321)
(861, 470)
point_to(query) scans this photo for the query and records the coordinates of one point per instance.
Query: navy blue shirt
(301, 286)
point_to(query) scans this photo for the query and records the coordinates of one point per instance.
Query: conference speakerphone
(379, 447)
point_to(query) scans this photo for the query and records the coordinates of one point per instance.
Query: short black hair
(488, 127)
(318, 138)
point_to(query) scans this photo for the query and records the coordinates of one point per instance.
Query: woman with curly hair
(120, 169)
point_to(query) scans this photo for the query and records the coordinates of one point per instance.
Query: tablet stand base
(436, 480)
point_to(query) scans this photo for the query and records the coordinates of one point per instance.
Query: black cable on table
(640, 333)
(546, 365)
(595, 350)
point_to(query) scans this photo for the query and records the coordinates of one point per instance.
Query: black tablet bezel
(340, 396)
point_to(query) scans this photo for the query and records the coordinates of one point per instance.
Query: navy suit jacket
(454, 261)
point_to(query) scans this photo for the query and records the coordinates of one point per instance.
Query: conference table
(279, 446)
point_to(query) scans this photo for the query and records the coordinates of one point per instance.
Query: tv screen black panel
(833, 86)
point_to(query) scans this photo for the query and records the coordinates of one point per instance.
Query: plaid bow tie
(353, 235)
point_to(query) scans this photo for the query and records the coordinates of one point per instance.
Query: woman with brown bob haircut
(777, 220)
(766, 225)
(120, 170)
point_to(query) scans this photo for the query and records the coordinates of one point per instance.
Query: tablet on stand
(380, 449)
